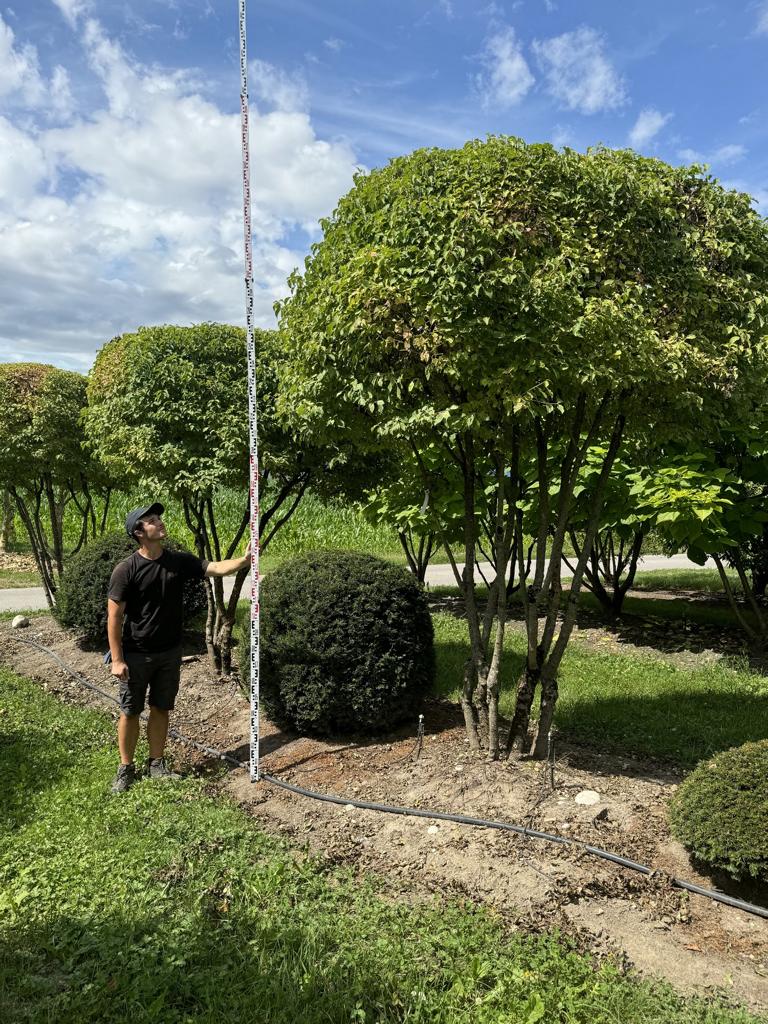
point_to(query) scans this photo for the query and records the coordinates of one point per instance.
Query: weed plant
(167, 906)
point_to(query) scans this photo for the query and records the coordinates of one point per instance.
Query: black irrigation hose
(415, 812)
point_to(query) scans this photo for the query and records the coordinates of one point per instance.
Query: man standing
(144, 625)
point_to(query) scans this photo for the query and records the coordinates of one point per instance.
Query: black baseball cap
(139, 513)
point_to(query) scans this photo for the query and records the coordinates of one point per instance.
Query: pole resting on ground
(253, 434)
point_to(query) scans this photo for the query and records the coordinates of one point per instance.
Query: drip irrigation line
(418, 812)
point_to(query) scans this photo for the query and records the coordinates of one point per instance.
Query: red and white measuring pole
(253, 437)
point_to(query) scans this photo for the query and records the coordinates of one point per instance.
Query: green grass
(706, 581)
(676, 610)
(11, 579)
(629, 704)
(167, 905)
(30, 613)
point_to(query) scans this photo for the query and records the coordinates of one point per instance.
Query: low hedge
(720, 812)
(347, 644)
(81, 600)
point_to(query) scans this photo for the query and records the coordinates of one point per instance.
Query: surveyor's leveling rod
(253, 438)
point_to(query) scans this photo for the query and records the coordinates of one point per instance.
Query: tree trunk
(468, 704)
(546, 714)
(526, 691)
(7, 526)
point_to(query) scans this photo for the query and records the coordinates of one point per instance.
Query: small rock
(20, 622)
(432, 830)
(587, 797)
(349, 807)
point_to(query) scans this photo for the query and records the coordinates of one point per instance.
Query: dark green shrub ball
(347, 644)
(720, 812)
(81, 600)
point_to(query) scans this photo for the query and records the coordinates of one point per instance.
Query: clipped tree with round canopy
(505, 300)
(43, 462)
(168, 410)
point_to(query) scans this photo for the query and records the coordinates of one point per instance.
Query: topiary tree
(504, 301)
(347, 644)
(168, 409)
(43, 463)
(82, 597)
(720, 812)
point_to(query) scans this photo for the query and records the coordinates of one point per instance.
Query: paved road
(33, 598)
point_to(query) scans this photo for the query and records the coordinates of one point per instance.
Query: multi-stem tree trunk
(418, 551)
(482, 670)
(544, 599)
(611, 567)
(757, 630)
(199, 512)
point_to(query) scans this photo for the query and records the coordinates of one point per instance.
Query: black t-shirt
(153, 591)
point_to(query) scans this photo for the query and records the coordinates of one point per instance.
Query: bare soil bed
(696, 944)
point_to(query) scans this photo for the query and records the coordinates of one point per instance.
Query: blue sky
(119, 133)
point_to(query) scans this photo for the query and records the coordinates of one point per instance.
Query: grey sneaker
(125, 778)
(158, 769)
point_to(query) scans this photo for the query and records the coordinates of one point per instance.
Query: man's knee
(159, 712)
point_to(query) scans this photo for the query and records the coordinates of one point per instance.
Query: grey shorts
(157, 674)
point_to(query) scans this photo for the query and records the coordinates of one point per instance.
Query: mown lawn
(167, 905)
(11, 579)
(629, 703)
(705, 580)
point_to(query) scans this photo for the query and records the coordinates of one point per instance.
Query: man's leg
(132, 697)
(157, 731)
(127, 736)
(162, 695)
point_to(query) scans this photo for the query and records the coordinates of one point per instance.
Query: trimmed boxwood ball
(720, 812)
(81, 600)
(347, 644)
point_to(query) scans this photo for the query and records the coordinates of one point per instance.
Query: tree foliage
(43, 462)
(504, 301)
(168, 410)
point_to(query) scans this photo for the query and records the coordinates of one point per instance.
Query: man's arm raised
(229, 566)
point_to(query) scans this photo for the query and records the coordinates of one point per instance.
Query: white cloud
(73, 9)
(22, 163)
(762, 19)
(19, 71)
(61, 95)
(729, 154)
(578, 73)
(277, 88)
(507, 77)
(132, 214)
(333, 44)
(648, 124)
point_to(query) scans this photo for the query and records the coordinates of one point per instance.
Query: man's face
(152, 528)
